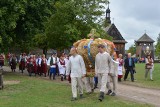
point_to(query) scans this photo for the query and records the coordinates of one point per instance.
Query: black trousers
(129, 69)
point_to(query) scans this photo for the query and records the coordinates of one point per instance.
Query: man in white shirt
(78, 71)
(52, 63)
(102, 68)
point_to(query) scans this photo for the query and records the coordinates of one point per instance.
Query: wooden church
(112, 31)
(144, 46)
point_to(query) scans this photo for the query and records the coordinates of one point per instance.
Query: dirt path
(129, 92)
(145, 95)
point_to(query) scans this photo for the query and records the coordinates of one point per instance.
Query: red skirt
(44, 68)
(30, 68)
(39, 69)
(13, 65)
(35, 68)
(22, 66)
(120, 76)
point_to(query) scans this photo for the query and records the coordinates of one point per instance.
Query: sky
(135, 17)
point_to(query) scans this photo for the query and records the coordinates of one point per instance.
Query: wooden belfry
(144, 46)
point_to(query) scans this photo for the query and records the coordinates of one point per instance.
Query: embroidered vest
(51, 61)
(62, 62)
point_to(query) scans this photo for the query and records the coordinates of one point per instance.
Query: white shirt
(62, 69)
(38, 61)
(76, 66)
(54, 62)
(66, 61)
(114, 67)
(22, 58)
(102, 63)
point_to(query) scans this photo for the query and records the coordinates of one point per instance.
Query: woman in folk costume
(52, 63)
(13, 62)
(112, 75)
(62, 66)
(1, 60)
(66, 58)
(120, 67)
(34, 65)
(8, 58)
(30, 65)
(44, 65)
(38, 62)
(149, 66)
(22, 62)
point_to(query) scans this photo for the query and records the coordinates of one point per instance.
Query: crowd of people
(38, 64)
(108, 70)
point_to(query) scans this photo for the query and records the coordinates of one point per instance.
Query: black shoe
(64, 77)
(113, 94)
(92, 90)
(101, 96)
(61, 78)
(132, 80)
(109, 92)
(119, 79)
(81, 96)
(95, 86)
(54, 77)
(73, 99)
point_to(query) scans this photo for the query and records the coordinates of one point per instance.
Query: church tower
(113, 31)
(108, 18)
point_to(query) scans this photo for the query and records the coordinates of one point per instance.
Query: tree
(132, 49)
(21, 20)
(32, 22)
(9, 13)
(40, 40)
(158, 47)
(73, 20)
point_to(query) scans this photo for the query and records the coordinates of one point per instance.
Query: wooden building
(144, 46)
(112, 31)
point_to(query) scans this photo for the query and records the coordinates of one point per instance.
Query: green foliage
(40, 40)
(20, 20)
(158, 47)
(48, 23)
(132, 50)
(73, 20)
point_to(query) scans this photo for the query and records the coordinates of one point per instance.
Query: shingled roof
(114, 32)
(145, 38)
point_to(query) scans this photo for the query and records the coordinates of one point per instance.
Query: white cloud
(133, 17)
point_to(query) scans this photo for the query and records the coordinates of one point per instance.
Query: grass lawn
(139, 76)
(36, 92)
